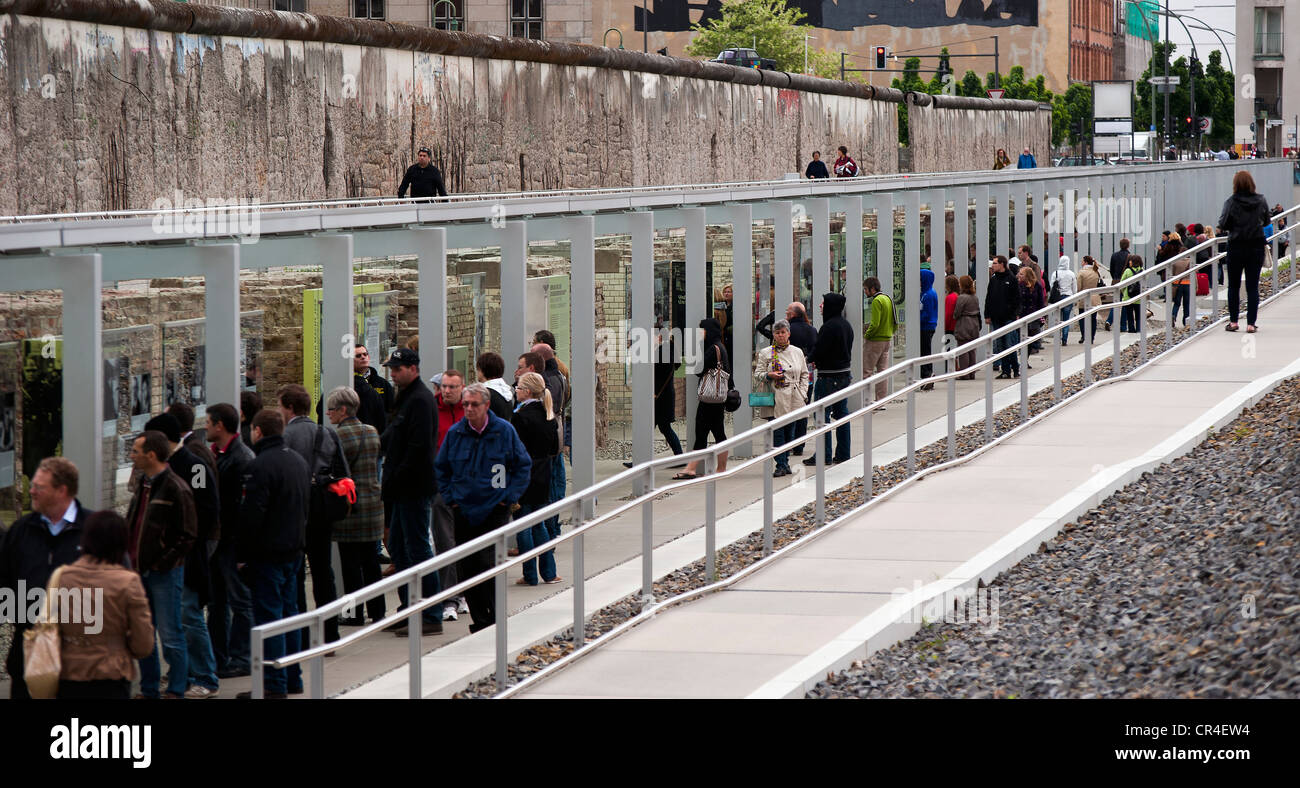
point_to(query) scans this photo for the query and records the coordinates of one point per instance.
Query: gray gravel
(1190, 592)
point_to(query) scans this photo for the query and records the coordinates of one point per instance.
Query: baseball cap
(403, 357)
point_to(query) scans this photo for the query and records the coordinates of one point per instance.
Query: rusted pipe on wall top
(174, 17)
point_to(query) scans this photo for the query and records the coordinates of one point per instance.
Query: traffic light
(881, 53)
(1188, 126)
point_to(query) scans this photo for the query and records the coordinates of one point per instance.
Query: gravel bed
(1184, 593)
(748, 550)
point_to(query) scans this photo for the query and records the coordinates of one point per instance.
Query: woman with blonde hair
(534, 421)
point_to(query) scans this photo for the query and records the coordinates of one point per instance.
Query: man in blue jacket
(482, 469)
(929, 320)
(1026, 161)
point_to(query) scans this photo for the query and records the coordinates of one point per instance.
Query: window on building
(368, 9)
(1268, 31)
(526, 18)
(447, 14)
(291, 5)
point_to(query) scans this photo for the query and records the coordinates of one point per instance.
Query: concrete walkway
(762, 635)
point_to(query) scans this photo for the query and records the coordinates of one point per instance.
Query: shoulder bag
(330, 498)
(42, 655)
(715, 384)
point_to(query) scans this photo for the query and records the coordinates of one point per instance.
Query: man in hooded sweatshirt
(1066, 285)
(831, 358)
(929, 321)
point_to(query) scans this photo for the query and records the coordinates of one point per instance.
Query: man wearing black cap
(408, 484)
(423, 178)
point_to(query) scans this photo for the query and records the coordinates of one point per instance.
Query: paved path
(742, 640)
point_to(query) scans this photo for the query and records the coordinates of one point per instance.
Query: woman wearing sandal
(1244, 215)
(534, 420)
(708, 416)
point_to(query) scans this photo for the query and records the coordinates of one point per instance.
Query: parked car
(1080, 161)
(744, 58)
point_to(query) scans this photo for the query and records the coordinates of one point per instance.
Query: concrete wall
(943, 139)
(109, 117)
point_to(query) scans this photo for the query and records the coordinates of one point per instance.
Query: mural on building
(672, 16)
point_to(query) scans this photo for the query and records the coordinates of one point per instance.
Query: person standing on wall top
(816, 167)
(423, 178)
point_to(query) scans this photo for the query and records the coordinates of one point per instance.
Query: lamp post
(453, 24)
(806, 37)
(605, 37)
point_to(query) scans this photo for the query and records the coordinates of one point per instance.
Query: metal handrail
(644, 475)
(833, 184)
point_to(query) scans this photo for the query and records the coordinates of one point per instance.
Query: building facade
(1268, 75)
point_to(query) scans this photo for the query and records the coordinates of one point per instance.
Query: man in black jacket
(1001, 306)
(231, 610)
(1118, 262)
(408, 483)
(373, 410)
(423, 178)
(802, 336)
(830, 357)
(35, 546)
(270, 541)
(202, 480)
(378, 383)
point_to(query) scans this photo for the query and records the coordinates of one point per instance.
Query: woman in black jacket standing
(534, 420)
(1244, 215)
(708, 416)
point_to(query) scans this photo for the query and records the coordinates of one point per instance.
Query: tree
(1214, 97)
(769, 26)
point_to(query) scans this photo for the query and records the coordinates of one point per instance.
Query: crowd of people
(225, 521)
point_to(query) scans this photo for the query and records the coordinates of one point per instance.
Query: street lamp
(605, 37)
(805, 51)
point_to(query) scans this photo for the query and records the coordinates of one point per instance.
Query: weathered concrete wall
(106, 117)
(944, 139)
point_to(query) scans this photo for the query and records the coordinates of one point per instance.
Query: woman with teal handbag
(780, 386)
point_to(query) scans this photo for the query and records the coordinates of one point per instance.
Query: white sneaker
(449, 614)
(461, 605)
(197, 692)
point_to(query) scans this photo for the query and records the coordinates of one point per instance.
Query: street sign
(996, 93)
(1167, 88)
(1205, 124)
(1174, 80)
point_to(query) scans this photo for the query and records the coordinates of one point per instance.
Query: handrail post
(867, 469)
(501, 615)
(256, 646)
(1215, 267)
(1170, 315)
(317, 665)
(710, 516)
(1023, 353)
(647, 546)
(988, 393)
(819, 453)
(413, 647)
(768, 484)
(1117, 300)
(1142, 327)
(1277, 263)
(911, 422)
(1054, 324)
(579, 583)
(952, 418)
(1085, 326)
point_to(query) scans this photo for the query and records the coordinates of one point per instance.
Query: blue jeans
(558, 480)
(529, 538)
(826, 386)
(1009, 363)
(1129, 319)
(1182, 297)
(1065, 326)
(275, 596)
(164, 590)
(780, 437)
(203, 665)
(231, 611)
(408, 544)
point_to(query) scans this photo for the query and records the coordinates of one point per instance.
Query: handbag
(715, 384)
(42, 658)
(764, 399)
(329, 499)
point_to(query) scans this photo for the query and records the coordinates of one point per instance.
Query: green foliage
(769, 26)
(1215, 87)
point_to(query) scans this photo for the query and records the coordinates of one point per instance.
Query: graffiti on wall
(670, 16)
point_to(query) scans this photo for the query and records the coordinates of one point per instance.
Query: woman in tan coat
(1090, 279)
(99, 651)
(782, 370)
